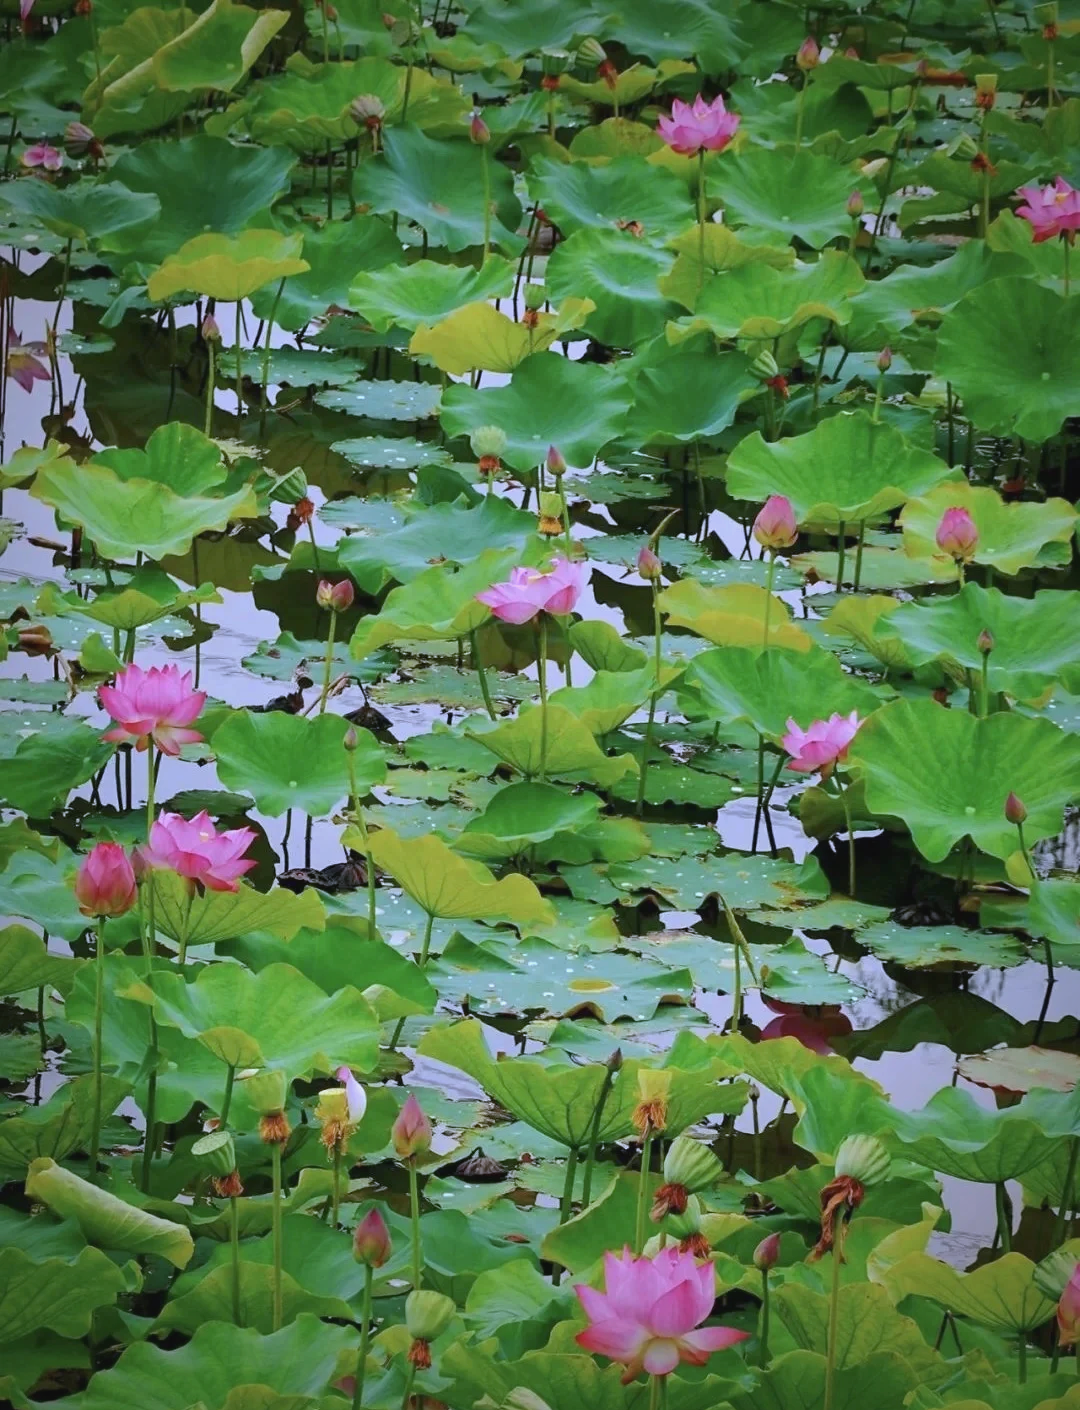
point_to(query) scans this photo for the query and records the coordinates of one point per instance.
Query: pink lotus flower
(196, 850)
(355, 1096)
(157, 704)
(822, 745)
(813, 1029)
(411, 1132)
(957, 535)
(647, 1318)
(22, 362)
(1068, 1311)
(776, 526)
(105, 884)
(25, 6)
(528, 592)
(702, 127)
(1050, 210)
(41, 154)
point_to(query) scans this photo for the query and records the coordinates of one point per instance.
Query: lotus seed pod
(535, 296)
(488, 440)
(427, 1314)
(765, 366)
(690, 1163)
(216, 1154)
(265, 1090)
(863, 1158)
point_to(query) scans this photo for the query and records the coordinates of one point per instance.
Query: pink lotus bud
(371, 1240)
(957, 535)
(767, 1252)
(809, 55)
(1068, 1311)
(556, 465)
(479, 130)
(1015, 812)
(411, 1132)
(105, 885)
(648, 564)
(884, 359)
(855, 205)
(337, 597)
(210, 331)
(775, 526)
(985, 642)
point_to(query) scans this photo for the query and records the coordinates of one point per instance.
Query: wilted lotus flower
(157, 704)
(776, 526)
(22, 362)
(700, 127)
(371, 1240)
(1051, 210)
(41, 154)
(528, 592)
(822, 745)
(957, 535)
(411, 1132)
(196, 850)
(79, 140)
(648, 1316)
(105, 884)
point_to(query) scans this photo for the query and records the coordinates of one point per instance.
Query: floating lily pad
(941, 946)
(1022, 1069)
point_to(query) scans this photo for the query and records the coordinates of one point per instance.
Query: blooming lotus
(647, 1318)
(528, 592)
(821, 746)
(157, 704)
(1068, 1311)
(41, 154)
(698, 127)
(776, 526)
(355, 1096)
(1051, 210)
(105, 884)
(194, 849)
(957, 535)
(23, 365)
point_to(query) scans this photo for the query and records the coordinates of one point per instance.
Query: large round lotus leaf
(788, 190)
(611, 696)
(44, 758)
(1054, 911)
(723, 251)
(1011, 350)
(765, 688)
(758, 301)
(612, 138)
(426, 292)
(578, 196)
(222, 915)
(947, 774)
(294, 761)
(440, 186)
(731, 616)
(521, 816)
(1022, 1069)
(1010, 234)
(548, 24)
(335, 255)
(125, 517)
(176, 455)
(568, 748)
(549, 401)
(1002, 1296)
(449, 886)
(915, 294)
(674, 30)
(88, 210)
(59, 1292)
(228, 267)
(382, 401)
(619, 273)
(480, 336)
(203, 184)
(941, 946)
(1011, 536)
(847, 468)
(1035, 638)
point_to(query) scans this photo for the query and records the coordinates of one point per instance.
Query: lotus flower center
(205, 836)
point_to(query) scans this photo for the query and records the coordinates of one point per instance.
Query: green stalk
(565, 515)
(643, 1190)
(984, 686)
(763, 1339)
(210, 389)
(858, 556)
(365, 1339)
(227, 1100)
(358, 818)
(409, 1378)
(99, 1013)
(594, 1135)
(771, 573)
(1004, 1231)
(426, 946)
(541, 671)
(328, 669)
(701, 206)
(1021, 1358)
(275, 1153)
(239, 368)
(266, 355)
(147, 933)
(799, 116)
(335, 1197)
(234, 1245)
(834, 1314)
(841, 550)
(1066, 1193)
(487, 203)
(653, 698)
(566, 1203)
(655, 1383)
(414, 1217)
(736, 998)
(478, 666)
(846, 801)
(1068, 237)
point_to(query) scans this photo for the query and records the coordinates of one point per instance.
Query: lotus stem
(148, 956)
(541, 672)
(278, 1235)
(1067, 237)
(239, 368)
(358, 818)
(858, 556)
(414, 1217)
(63, 291)
(656, 1392)
(594, 1133)
(426, 945)
(740, 939)
(763, 1335)
(702, 209)
(328, 668)
(845, 799)
(736, 998)
(769, 575)
(223, 1120)
(654, 696)
(265, 359)
(99, 1013)
(566, 1203)
(643, 1189)
(335, 1193)
(841, 550)
(799, 112)
(1021, 1357)
(234, 1248)
(1066, 1193)
(365, 1339)
(1004, 1224)
(760, 791)
(486, 169)
(478, 666)
(410, 1376)
(565, 516)
(834, 1314)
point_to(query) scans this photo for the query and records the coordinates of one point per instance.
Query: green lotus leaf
(58, 1293)
(766, 688)
(103, 1218)
(619, 273)
(126, 517)
(86, 211)
(228, 267)
(759, 301)
(627, 191)
(865, 620)
(611, 696)
(390, 453)
(790, 972)
(176, 455)
(480, 336)
(41, 766)
(789, 190)
(548, 401)
(913, 293)
(572, 751)
(1054, 911)
(848, 468)
(687, 882)
(25, 963)
(522, 815)
(1033, 639)
(685, 393)
(614, 137)
(1022, 1069)
(226, 1366)
(336, 255)
(1010, 234)
(1002, 1295)
(1011, 350)
(881, 569)
(223, 915)
(440, 185)
(211, 1300)
(448, 886)
(516, 1301)
(866, 1324)
(941, 946)
(426, 292)
(549, 25)
(628, 86)
(680, 28)
(954, 1135)
(202, 183)
(947, 774)
(731, 616)
(57, 1128)
(256, 753)
(723, 251)
(1011, 536)
(27, 460)
(604, 649)
(276, 1018)
(382, 401)
(148, 595)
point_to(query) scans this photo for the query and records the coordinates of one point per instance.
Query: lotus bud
(884, 359)
(1046, 14)
(957, 535)
(535, 296)
(556, 465)
(591, 51)
(105, 884)
(765, 366)
(686, 1227)
(648, 564)
(1015, 812)
(650, 1114)
(863, 1158)
(339, 597)
(371, 1240)
(776, 526)
(985, 90)
(265, 1089)
(488, 441)
(615, 1061)
(216, 1154)
(367, 111)
(809, 54)
(479, 132)
(855, 205)
(411, 1132)
(1068, 1311)
(1052, 1275)
(985, 642)
(767, 1253)
(351, 742)
(428, 1314)
(209, 329)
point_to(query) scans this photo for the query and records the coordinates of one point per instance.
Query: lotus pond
(540, 718)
